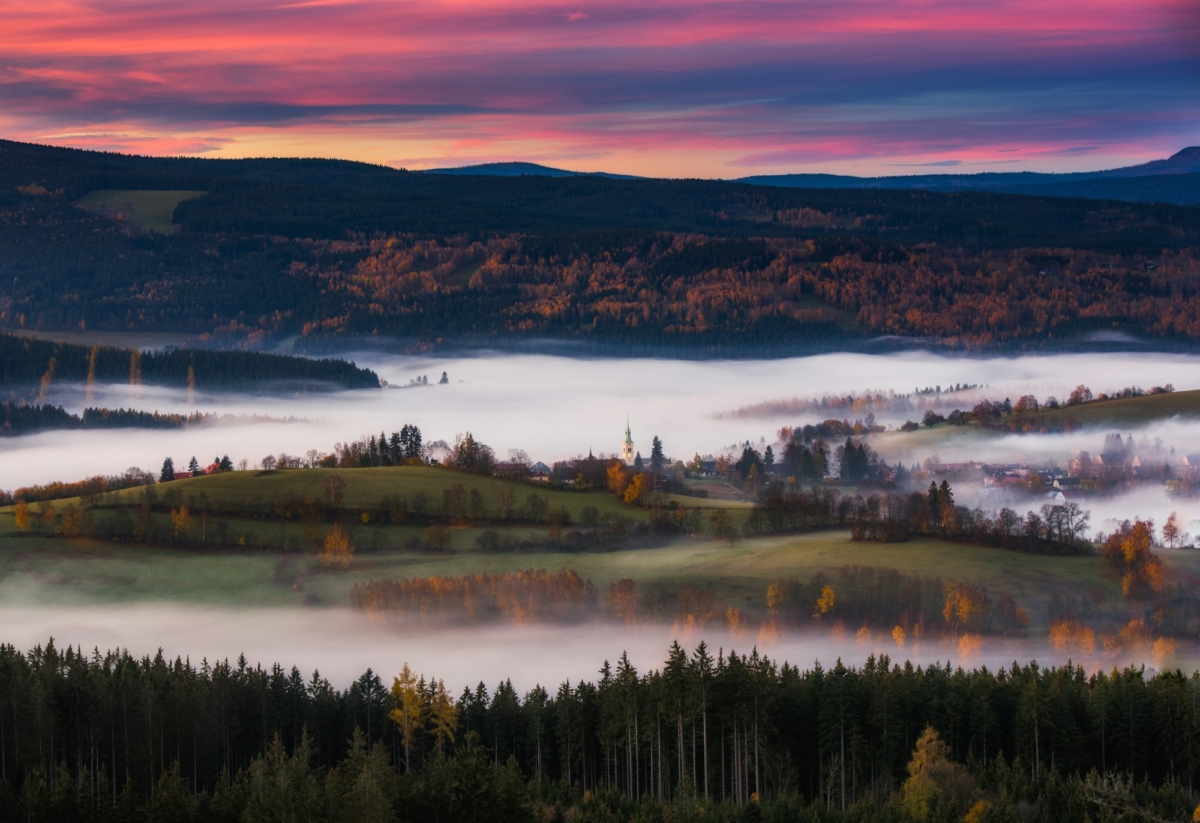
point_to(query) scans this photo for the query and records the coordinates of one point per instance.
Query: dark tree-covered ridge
(28, 361)
(328, 249)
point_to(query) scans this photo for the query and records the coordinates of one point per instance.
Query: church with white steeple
(627, 446)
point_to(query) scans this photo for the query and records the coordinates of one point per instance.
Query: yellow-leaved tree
(936, 787)
(406, 694)
(637, 490)
(825, 602)
(181, 522)
(70, 521)
(49, 518)
(443, 716)
(617, 479)
(21, 515)
(338, 550)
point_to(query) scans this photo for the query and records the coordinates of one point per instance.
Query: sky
(707, 88)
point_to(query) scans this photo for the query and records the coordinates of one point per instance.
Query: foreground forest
(708, 735)
(324, 249)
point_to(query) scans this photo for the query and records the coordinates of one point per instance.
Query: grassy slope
(1115, 414)
(151, 210)
(365, 487)
(52, 570)
(1133, 411)
(57, 570)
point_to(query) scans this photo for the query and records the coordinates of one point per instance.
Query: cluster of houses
(1085, 475)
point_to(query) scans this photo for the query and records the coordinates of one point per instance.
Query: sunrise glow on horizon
(716, 88)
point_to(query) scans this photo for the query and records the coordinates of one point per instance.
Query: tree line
(26, 361)
(895, 517)
(724, 735)
(22, 418)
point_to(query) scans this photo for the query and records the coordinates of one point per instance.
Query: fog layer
(342, 644)
(553, 407)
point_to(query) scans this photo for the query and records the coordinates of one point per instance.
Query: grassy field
(150, 210)
(1132, 411)
(1118, 414)
(43, 569)
(261, 527)
(46, 570)
(365, 487)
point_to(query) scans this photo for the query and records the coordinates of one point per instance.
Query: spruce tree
(656, 455)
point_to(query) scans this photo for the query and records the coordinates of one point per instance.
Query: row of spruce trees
(722, 736)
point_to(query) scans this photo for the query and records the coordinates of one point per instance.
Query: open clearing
(145, 341)
(150, 210)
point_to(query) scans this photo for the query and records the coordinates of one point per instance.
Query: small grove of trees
(401, 448)
(907, 606)
(894, 517)
(469, 455)
(631, 485)
(1055, 529)
(99, 484)
(517, 597)
(218, 464)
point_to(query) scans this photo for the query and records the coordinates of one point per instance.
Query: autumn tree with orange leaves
(1129, 551)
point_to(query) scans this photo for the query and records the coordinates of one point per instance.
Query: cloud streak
(702, 88)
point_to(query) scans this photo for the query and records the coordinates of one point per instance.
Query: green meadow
(149, 210)
(1116, 414)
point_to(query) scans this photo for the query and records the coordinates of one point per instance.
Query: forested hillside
(331, 249)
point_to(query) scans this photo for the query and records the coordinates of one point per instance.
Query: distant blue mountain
(1174, 180)
(524, 170)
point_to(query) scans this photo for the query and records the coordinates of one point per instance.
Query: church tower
(627, 446)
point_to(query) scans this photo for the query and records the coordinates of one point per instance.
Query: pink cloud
(725, 84)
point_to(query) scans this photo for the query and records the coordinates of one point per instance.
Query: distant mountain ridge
(519, 169)
(1186, 161)
(1175, 179)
